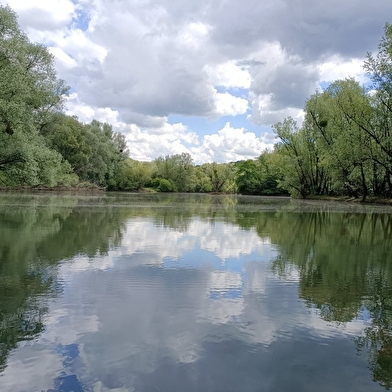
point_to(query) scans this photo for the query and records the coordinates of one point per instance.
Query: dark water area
(129, 292)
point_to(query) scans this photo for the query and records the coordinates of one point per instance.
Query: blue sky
(208, 78)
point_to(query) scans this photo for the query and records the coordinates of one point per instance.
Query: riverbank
(92, 188)
(347, 199)
(82, 187)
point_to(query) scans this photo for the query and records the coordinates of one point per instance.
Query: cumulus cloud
(228, 74)
(228, 105)
(337, 67)
(264, 110)
(144, 61)
(44, 14)
(230, 145)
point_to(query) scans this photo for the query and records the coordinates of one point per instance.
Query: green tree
(248, 177)
(221, 176)
(202, 179)
(132, 175)
(379, 127)
(300, 159)
(343, 148)
(177, 169)
(68, 136)
(107, 150)
(29, 92)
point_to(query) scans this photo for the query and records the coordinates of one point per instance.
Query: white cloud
(264, 111)
(230, 145)
(77, 44)
(281, 83)
(228, 75)
(229, 105)
(43, 14)
(87, 113)
(63, 60)
(145, 145)
(336, 67)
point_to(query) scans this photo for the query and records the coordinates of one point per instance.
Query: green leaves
(178, 169)
(29, 90)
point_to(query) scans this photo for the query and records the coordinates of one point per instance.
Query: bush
(166, 186)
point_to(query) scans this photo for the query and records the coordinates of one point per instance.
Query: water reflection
(36, 234)
(345, 267)
(192, 294)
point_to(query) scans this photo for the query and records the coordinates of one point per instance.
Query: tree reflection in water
(35, 237)
(345, 268)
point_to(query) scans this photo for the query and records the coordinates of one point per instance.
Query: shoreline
(42, 188)
(91, 188)
(347, 199)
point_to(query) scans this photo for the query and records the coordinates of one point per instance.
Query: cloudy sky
(206, 77)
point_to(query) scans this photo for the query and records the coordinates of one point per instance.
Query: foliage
(29, 92)
(178, 169)
(108, 149)
(260, 176)
(215, 177)
(202, 179)
(131, 175)
(166, 185)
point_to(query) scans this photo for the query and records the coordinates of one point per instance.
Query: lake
(166, 292)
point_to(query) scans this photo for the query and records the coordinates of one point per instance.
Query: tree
(177, 169)
(29, 91)
(343, 148)
(202, 179)
(248, 177)
(67, 136)
(131, 175)
(107, 150)
(300, 159)
(220, 175)
(379, 127)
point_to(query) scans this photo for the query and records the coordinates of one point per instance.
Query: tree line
(343, 147)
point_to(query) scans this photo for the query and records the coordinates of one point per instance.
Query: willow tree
(379, 129)
(334, 118)
(177, 170)
(29, 92)
(300, 160)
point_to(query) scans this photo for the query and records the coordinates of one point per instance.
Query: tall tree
(300, 158)
(342, 146)
(29, 90)
(108, 149)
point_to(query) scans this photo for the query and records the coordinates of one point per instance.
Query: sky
(206, 77)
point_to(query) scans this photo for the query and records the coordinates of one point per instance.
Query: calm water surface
(193, 293)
